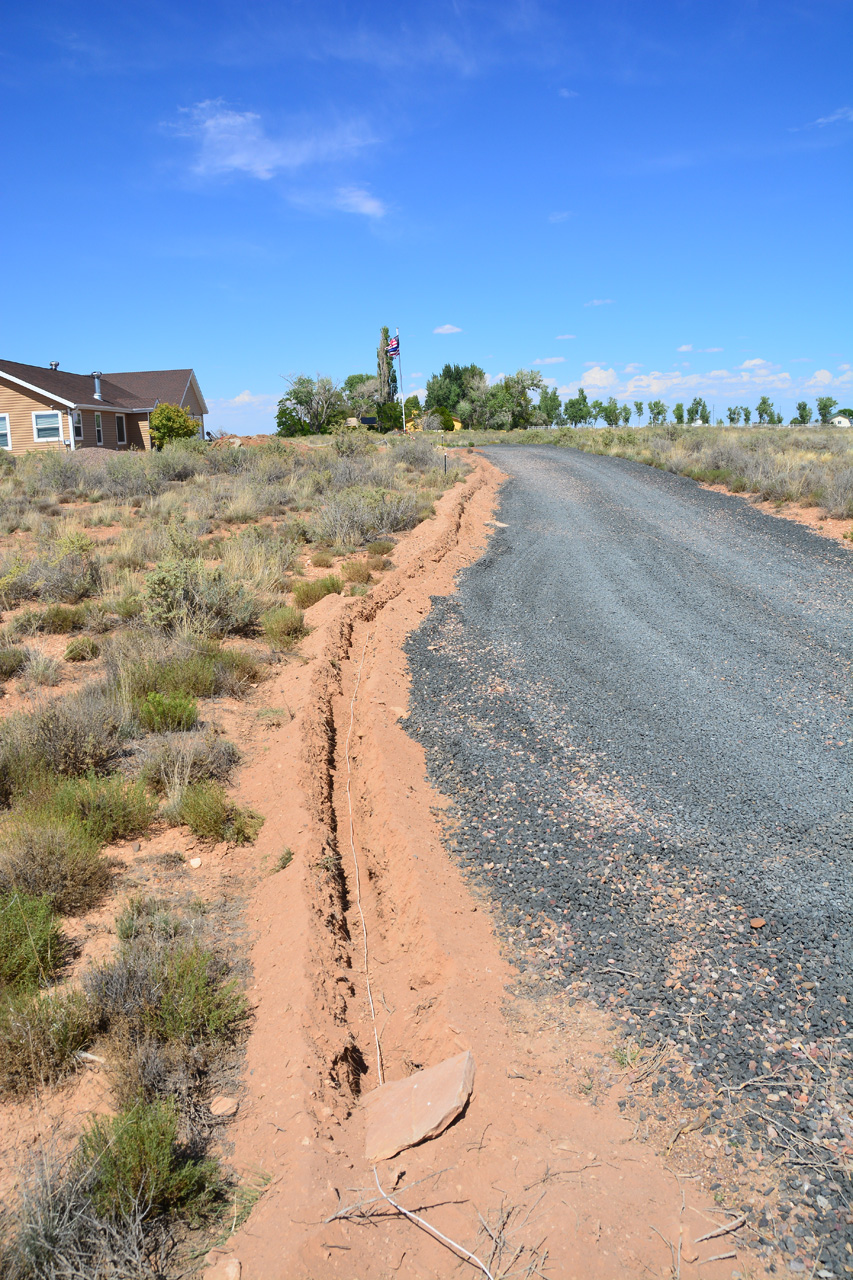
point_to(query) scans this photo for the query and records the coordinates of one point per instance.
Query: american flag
(393, 348)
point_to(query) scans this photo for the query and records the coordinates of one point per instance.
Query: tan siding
(20, 406)
(192, 404)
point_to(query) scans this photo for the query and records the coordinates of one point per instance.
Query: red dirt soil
(543, 1137)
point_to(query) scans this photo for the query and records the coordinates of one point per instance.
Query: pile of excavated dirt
(541, 1174)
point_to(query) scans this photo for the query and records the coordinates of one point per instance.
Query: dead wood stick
(718, 1257)
(734, 1225)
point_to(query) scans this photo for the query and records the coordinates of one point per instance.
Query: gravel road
(638, 702)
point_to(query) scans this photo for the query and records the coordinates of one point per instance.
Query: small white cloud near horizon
(599, 302)
(551, 360)
(568, 93)
(447, 328)
(563, 337)
(357, 200)
(236, 142)
(844, 115)
(688, 346)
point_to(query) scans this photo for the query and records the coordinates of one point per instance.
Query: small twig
(723, 1230)
(718, 1257)
(362, 1204)
(668, 1243)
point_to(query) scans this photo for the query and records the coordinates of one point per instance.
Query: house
(45, 408)
(840, 420)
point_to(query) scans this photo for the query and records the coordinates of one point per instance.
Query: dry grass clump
(170, 762)
(322, 559)
(48, 856)
(356, 571)
(284, 627)
(187, 596)
(69, 736)
(82, 649)
(378, 564)
(356, 515)
(31, 947)
(307, 593)
(208, 812)
(40, 1037)
(12, 661)
(40, 670)
(382, 547)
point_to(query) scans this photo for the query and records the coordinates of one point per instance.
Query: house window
(99, 430)
(78, 425)
(46, 426)
(5, 438)
(121, 438)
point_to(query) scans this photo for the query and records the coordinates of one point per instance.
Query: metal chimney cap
(54, 364)
(96, 374)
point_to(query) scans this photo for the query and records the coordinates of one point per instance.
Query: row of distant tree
(464, 393)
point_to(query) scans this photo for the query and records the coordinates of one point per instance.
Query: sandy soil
(543, 1145)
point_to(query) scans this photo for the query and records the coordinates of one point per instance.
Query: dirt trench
(542, 1174)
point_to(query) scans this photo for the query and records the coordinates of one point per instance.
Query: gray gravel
(638, 701)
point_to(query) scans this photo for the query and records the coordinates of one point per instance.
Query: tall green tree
(638, 409)
(657, 412)
(577, 409)
(733, 414)
(747, 415)
(826, 406)
(610, 413)
(596, 409)
(765, 411)
(625, 414)
(310, 406)
(448, 388)
(413, 408)
(698, 411)
(678, 414)
(550, 408)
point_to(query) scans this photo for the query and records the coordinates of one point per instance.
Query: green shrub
(82, 649)
(284, 626)
(146, 917)
(30, 941)
(187, 595)
(234, 670)
(134, 1158)
(308, 593)
(108, 808)
(12, 661)
(40, 1036)
(40, 670)
(195, 1004)
(129, 606)
(206, 810)
(46, 856)
(380, 548)
(163, 711)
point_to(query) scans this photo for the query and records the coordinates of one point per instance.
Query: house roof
(141, 390)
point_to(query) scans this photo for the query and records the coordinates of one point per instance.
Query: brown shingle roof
(139, 390)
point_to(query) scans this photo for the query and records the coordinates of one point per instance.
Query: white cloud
(550, 382)
(416, 375)
(599, 302)
(236, 142)
(563, 337)
(842, 115)
(844, 367)
(688, 346)
(247, 413)
(550, 360)
(820, 378)
(560, 217)
(596, 377)
(632, 368)
(357, 200)
(447, 328)
(757, 363)
(568, 93)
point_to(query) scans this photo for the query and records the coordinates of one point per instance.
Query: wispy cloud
(632, 368)
(687, 346)
(447, 328)
(844, 115)
(599, 302)
(357, 200)
(230, 141)
(561, 216)
(564, 337)
(568, 93)
(551, 360)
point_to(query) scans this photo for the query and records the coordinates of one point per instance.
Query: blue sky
(648, 199)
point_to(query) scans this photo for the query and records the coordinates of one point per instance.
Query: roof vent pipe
(54, 364)
(97, 377)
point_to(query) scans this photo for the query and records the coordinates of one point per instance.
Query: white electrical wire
(407, 1213)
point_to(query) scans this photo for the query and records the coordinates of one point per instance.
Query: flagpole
(400, 368)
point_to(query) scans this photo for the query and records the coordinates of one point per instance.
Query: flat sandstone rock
(407, 1111)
